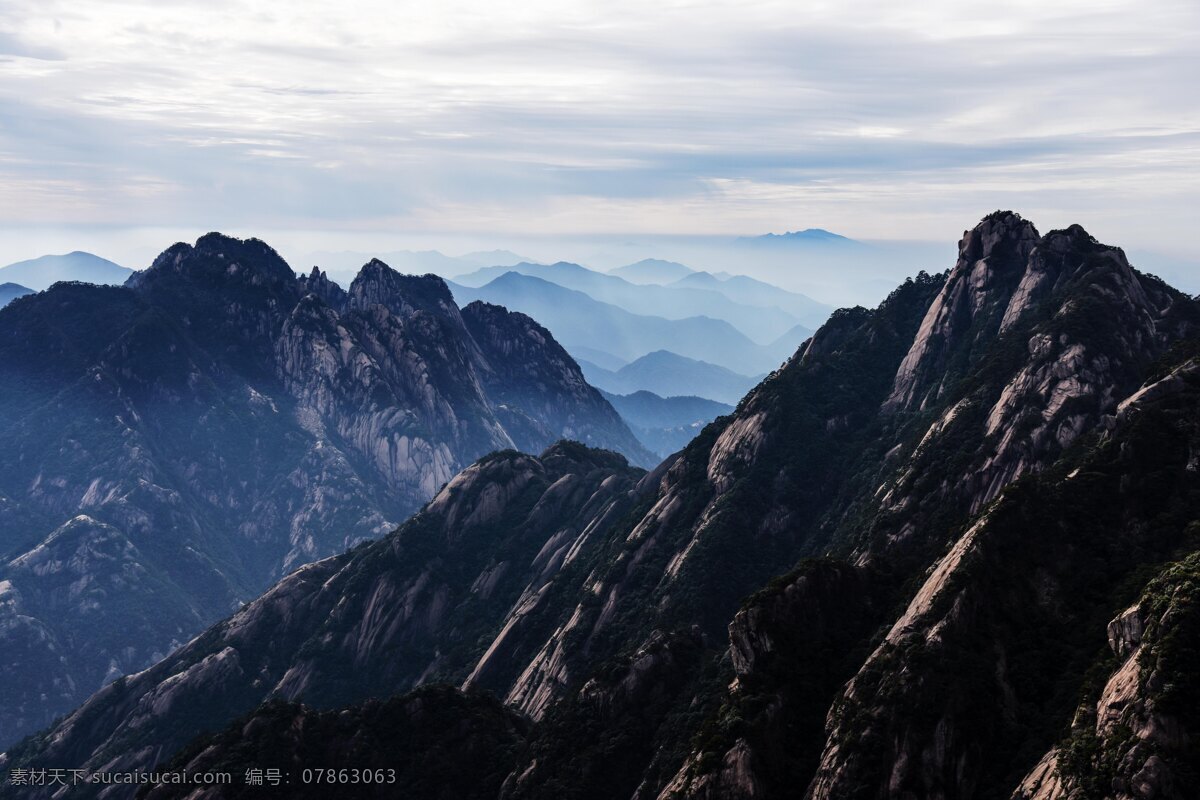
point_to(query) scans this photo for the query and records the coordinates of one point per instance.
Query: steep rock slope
(524, 648)
(414, 607)
(988, 660)
(538, 391)
(744, 501)
(181, 442)
(835, 455)
(1138, 737)
(997, 383)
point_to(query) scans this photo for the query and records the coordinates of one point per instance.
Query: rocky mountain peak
(1001, 235)
(218, 260)
(1003, 269)
(317, 282)
(403, 295)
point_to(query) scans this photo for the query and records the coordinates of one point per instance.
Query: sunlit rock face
(219, 422)
(421, 605)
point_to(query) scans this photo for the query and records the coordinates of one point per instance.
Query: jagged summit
(1004, 270)
(216, 259)
(1000, 235)
(318, 283)
(377, 283)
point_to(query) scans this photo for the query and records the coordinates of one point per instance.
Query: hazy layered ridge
(11, 291)
(669, 375)
(665, 424)
(888, 445)
(764, 316)
(40, 273)
(175, 445)
(577, 319)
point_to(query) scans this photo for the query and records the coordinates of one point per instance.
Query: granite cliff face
(1009, 618)
(1138, 739)
(389, 615)
(889, 573)
(179, 443)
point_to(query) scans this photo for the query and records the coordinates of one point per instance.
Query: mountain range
(652, 270)
(808, 237)
(664, 424)
(763, 318)
(342, 265)
(174, 445)
(669, 375)
(610, 321)
(746, 290)
(575, 318)
(39, 273)
(948, 549)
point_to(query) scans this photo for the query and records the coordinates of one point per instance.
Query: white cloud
(869, 117)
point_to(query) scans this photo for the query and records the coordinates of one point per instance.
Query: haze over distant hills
(652, 270)
(807, 238)
(489, 258)
(763, 320)
(40, 273)
(722, 325)
(669, 322)
(667, 374)
(839, 271)
(577, 319)
(664, 424)
(822, 264)
(343, 265)
(752, 292)
(11, 291)
(730, 320)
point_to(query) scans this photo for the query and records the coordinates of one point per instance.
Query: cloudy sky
(408, 121)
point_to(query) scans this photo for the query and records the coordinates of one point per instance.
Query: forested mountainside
(947, 550)
(174, 446)
(435, 743)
